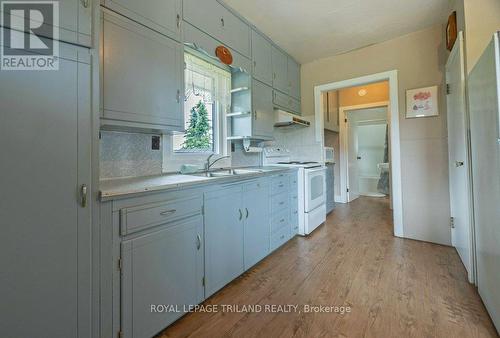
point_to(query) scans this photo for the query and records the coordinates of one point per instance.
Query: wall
(332, 140)
(128, 154)
(301, 141)
(419, 58)
(375, 92)
(125, 154)
(482, 19)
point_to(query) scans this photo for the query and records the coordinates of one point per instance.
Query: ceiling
(314, 29)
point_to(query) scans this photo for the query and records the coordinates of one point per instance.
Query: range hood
(284, 119)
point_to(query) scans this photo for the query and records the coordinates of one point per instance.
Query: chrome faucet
(208, 165)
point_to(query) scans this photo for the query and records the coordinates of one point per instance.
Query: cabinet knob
(222, 21)
(198, 241)
(85, 3)
(178, 18)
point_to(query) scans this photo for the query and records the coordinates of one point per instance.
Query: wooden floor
(394, 287)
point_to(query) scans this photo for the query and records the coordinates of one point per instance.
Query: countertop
(110, 189)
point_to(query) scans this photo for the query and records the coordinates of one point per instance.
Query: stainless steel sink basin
(227, 172)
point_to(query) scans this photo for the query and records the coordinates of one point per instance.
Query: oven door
(315, 188)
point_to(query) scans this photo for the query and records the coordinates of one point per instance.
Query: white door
(352, 160)
(460, 197)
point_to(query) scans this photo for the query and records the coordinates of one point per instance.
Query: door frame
(344, 144)
(458, 51)
(393, 120)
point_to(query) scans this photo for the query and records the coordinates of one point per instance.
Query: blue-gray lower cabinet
(163, 267)
(223, 237)
(256, 225)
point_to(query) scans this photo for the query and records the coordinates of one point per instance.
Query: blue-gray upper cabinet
(257, 213)
(75, 22)
(294, 78)
(142, 77)
(263, 110)
(223, 237)
(45, 246)
(280, 70)
(216, 20)
(163, 16)
(262, 59)
(163, 267)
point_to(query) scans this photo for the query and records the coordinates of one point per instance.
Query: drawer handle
(281, 185)
(178, 21)
(178, 97)
(241, 214)
(198, 241)
(167, 212)
(295, 212)
(282, 236)
(282, 220)
(281, 203)
(247, 212)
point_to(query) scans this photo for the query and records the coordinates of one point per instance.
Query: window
(207, 96)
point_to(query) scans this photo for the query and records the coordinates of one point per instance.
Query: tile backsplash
(128, 154)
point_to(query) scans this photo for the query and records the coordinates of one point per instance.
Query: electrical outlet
(155, 142)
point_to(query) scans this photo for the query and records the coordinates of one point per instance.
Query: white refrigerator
(484, 103)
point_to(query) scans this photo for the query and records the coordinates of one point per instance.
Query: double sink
(229, 172)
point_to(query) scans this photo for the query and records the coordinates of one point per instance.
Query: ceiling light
(362, 92)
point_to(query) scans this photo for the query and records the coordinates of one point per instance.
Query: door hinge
(345, 120)
(120, 334)
(203, 281)
(120, 265)
(448, 89)
(347, 189)
(452, 222)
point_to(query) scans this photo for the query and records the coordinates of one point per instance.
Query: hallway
(394, 287)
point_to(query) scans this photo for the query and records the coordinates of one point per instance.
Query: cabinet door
(215, 20)
(163, 16)
(163, 267)
(75, 19)
(263, 110)
(280, 70)
(331, 110)
(283, 101)
(261, 57)
(223, 238)
(142, 75)
(294, 78)
(257, 234)
(45, 248)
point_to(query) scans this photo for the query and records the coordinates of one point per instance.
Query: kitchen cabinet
(142, 77)
(294, 204)
(45, 246)
(280, 70)
(285, 102)
(256, 222)
(162, 267)
(331, 111)
(263, 110)
(262, 59)
(214, 19)
(294, 78)
(330, 187)
(163, 16)
(223, 237)
(75, 22)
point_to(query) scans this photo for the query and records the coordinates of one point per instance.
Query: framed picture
(451, 31)
(422, 102)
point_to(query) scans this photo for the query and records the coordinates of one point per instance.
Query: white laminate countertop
(110, 189)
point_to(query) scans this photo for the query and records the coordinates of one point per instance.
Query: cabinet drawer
(280, 238)
(279, 221)
(280, 202)
(144, 216)
(280, 184)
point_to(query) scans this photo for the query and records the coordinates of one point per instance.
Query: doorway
(394, 156)
(367, 153)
